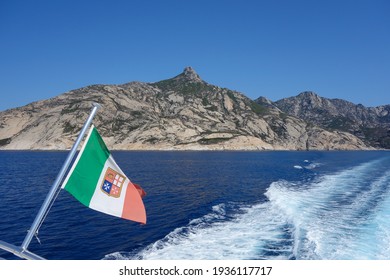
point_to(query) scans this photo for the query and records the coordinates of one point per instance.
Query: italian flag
(97, 182)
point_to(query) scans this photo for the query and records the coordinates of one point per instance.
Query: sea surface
(211, 205)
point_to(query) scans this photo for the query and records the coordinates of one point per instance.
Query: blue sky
(272, 48)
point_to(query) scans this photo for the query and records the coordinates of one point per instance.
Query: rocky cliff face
(182, 113)
(370, 124)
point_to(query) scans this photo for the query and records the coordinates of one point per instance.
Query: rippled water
(212, 205)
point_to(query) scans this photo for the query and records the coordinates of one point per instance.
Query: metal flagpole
(41, 214)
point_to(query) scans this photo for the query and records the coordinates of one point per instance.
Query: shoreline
(204, 150)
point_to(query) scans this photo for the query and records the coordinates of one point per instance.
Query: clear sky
(272, 48)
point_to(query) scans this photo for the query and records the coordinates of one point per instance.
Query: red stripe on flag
(133, 208)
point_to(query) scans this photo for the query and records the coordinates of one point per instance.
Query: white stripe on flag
(101, 201)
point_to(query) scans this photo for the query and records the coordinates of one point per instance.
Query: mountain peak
(189, 70)
(189, 75)
(309, 94)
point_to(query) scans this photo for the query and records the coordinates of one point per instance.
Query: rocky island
(187, 113)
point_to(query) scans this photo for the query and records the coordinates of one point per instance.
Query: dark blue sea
(211, 205)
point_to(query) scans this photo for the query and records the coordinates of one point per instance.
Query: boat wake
(345, 215)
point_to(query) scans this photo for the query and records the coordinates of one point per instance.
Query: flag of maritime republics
(97, 182)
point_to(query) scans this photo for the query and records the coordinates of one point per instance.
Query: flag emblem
(113, 182)
(98, 182)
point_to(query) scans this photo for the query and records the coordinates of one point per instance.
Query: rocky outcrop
(181, 113)
(370, 124)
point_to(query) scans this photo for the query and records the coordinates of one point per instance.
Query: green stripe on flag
(82, 182)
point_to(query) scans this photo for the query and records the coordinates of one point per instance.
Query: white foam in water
(241, 237)
(340, 216)
(308, 165)
(374, 239)
(313, 165)
(238, 238)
